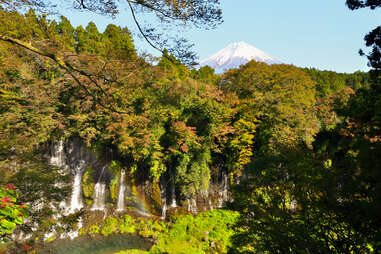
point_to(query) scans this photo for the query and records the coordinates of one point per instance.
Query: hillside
(98, 144)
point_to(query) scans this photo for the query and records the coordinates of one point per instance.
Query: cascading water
(192, 205)
(76, 195)
(57, 154)
(122, 190)
(164, 208)
(57, 158)
(75, 233)
(99, 194)
(164, 202)
(72, 156)
(173, 194)
(225, 188)
(210, 204)
(223, 194)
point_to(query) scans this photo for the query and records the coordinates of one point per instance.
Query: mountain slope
(236, 54)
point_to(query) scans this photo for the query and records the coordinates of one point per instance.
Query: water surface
(96, 245)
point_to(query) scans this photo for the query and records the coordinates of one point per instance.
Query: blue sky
(323, 34)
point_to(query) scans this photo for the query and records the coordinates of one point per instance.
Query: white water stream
(223, 195)
(99, 194)
(164, 208)
(57, 155)
(76, 195)
(192, 205)
(164, 202)
(173, 195)
(122, 189)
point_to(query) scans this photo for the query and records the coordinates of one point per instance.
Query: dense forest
(260, 159)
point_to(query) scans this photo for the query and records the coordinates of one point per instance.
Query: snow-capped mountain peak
(236, 54)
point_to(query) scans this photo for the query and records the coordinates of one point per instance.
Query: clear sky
(323, 34)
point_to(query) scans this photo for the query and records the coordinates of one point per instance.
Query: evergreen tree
(66, 31)
(205, 74)
(118, 42)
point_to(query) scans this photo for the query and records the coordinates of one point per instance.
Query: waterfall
(57, 154)
(99, 194)
(58, 158)
(225, 186)
(223, 195)
(76, 198)
(173, 194)
(75, 233)
(163, 201)
(76, 195)
(164, 208)
(122, 189)
(192, 205)
(210, 204)
(220, 202)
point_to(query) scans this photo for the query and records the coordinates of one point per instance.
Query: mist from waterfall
(122, 190)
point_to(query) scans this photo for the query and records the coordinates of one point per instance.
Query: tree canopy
(309, 183)
(325, 199)
(280, 97)
(158, 117)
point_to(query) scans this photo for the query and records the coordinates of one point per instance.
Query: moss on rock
(88, 185)
(114, 188)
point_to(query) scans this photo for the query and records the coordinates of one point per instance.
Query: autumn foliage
(12, 212)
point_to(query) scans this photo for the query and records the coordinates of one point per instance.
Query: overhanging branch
(140, 29)
(66, 66)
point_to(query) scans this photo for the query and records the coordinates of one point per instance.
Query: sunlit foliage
(280, 97)
(12, 211)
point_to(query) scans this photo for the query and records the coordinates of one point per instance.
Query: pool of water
(101, 245)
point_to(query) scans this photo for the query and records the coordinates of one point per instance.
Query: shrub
(127, 224)
(207, 232)
(109, 226)
(12, 213)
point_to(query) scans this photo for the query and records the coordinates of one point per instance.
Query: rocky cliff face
(104, 181)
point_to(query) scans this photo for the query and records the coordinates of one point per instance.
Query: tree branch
(66, 66)
(155, 9)
(140, 29)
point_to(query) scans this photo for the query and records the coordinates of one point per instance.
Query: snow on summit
(236, 54)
